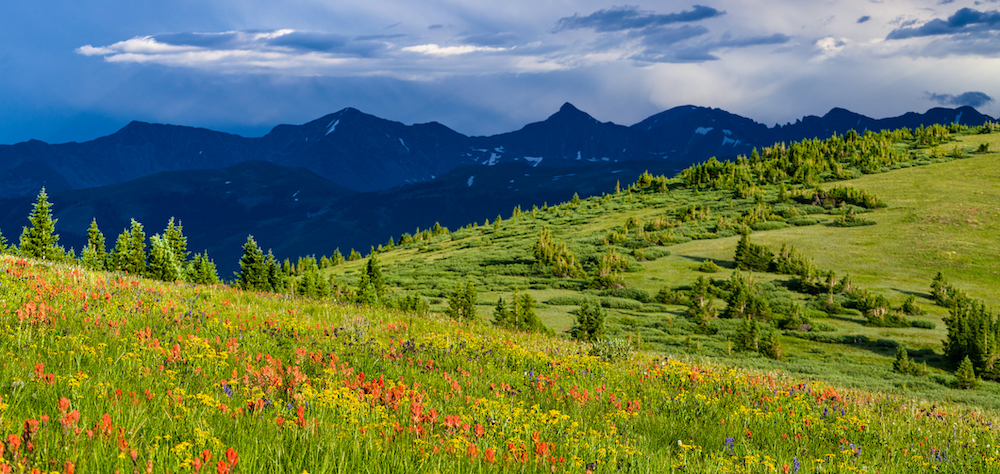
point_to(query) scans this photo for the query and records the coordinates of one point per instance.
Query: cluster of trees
(554, 255)
(808, 162)
(973, 331)
(519, 315)
(165, 257)
(260, 272)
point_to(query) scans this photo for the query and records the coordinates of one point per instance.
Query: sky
(73, 70)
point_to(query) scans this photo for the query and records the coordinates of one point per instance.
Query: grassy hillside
(942, 214)
(105, 373)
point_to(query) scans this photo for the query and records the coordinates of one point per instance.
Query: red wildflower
(490, 456)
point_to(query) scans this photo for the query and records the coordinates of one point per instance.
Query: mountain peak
(568, 108)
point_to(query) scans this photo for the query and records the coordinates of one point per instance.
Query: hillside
(108, 373)
(942, 215)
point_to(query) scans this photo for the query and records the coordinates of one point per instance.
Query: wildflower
(70, 467)
(231, 456)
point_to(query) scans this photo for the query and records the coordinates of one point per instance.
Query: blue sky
(75, 70)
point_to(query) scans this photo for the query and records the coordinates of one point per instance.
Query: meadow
(106, 373)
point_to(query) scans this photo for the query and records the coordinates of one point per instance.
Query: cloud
(964, 21)
(435, 50)
(630, 17)
(864, 19)
(971, 99)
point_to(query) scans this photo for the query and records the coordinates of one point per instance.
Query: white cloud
(435, 50)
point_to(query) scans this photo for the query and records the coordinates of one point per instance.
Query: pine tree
(39, 240)
(95, 254)
(163, 264)
(174, 235)
(129, 254)
(748, 335)
(589, 325)
(502, 316)
(462, 302)
(275, 280)
(965, 375)
(202, 270)
(253, 274)
(3, 244)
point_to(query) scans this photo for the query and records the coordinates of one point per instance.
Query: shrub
(628, 293)
(802, 221)
(709, 266)
(768, 225)
(922, 324)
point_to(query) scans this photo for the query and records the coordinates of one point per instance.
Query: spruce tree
(129, 254)
(965, 375)
(589, 325)
(502, 316)
(163, 264)
(252, 275)
(39, 240)
(202, 270)
(3, 243)
(95, 254)
(136, 259)
(174, 235)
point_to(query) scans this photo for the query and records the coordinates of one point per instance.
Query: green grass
(940, 217)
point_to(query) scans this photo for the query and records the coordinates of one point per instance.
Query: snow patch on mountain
(404, 145)
(534, 160)
(333, 126)
(703, 130)
(469, 182)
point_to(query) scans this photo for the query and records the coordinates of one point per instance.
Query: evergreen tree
(253, 274)
(372, 289)
(174, 235)
(502, 316)
(748, 335)
(129, 254)
(701, 309)
(39, 240)
(95, 253)
(462, 302)
(275, 279)
(202, 270)
(338, 258)
(750, 256)
(163, 264)
(965, 375)
(589, 325)
(3, 244)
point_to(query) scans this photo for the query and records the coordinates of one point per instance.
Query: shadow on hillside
(918, 294)
(888, 347)
(722, 263)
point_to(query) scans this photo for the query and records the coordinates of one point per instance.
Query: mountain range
(352, 180)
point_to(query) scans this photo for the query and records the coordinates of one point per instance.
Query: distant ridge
(367, 153)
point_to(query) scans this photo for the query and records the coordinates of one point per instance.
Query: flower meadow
(104, 372)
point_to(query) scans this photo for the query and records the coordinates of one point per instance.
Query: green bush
(628, 293)
(768, 225)
(923, 324)
(802, 221)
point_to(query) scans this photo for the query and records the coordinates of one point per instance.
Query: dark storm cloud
(963, 21)
(971, 98)
(629, 17)
(864, 19)
(702, 52)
